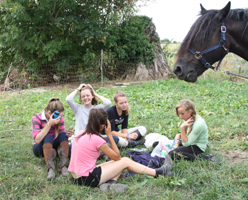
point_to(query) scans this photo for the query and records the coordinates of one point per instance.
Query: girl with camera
(46, 143)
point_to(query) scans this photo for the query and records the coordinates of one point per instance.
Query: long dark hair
(97, 117)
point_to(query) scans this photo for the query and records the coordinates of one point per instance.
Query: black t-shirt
(116, 119)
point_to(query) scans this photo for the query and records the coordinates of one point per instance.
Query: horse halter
(198, 55)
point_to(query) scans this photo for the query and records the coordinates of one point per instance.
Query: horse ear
(203, 10)
(224, 12)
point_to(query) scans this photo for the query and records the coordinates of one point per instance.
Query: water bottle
(176, 143)
(55, 114)
(161, 150)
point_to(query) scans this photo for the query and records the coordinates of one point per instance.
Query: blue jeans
(38, 148)
(116, 139)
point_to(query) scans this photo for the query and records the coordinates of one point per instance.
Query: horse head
(210, 38)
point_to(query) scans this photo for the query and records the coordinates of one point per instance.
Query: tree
(135, 41)
(33, 31)
(166, 40)
(127, 41)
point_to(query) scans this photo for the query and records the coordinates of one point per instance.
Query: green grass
(223, 104)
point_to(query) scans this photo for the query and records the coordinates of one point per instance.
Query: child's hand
(133, 135)
(70, 132)
(54, 121)
(81, 86)
(108, 128)
(187, 122)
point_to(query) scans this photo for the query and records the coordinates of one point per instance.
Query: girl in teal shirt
(193, 138)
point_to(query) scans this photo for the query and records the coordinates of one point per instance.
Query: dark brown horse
(211, 37)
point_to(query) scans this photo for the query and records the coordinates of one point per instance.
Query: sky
(174, 18)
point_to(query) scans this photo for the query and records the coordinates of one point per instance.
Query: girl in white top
(87, 99)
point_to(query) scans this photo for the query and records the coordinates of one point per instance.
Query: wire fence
(69, 70)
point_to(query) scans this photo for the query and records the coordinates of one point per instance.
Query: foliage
(166, 49)
(55, 33)
(127, 41)
(34, 31)
(169, 181)
(166, 40)
(223, 105)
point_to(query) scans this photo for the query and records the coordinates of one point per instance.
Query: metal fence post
(7, 78)
(101, 66)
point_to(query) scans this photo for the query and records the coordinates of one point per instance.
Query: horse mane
(203, 27)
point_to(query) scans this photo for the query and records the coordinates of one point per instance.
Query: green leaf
(244, 180)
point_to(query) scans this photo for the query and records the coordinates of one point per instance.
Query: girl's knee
(178, 136)
(62, 137)
(48, 139)
(48, 136)
(142, 130)
(122, 142)
(125, 160)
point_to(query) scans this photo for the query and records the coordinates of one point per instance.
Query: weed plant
(223, 105)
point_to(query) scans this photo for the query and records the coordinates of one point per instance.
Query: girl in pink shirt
(86, 149)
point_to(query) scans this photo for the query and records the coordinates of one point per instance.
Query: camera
(55, 114)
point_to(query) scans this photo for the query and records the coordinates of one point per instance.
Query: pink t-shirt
(84, 153)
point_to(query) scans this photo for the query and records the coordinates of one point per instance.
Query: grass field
(222, 103)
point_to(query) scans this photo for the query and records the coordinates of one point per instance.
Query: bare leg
(113, 169)
(107, 163)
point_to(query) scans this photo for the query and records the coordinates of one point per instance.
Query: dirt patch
(55, 87)
(236, 156)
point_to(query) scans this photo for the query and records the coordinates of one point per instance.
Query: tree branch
(59, 11)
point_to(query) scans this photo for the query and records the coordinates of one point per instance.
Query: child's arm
(40, 136)
(184, 129)
(113, 152)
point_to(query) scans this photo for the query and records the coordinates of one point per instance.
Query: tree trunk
(160, 67)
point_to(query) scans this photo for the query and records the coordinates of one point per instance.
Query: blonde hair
(53, 105)
(188, 106)
(121, 94)
(93, 101)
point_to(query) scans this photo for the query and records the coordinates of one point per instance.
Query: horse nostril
(178, 70)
